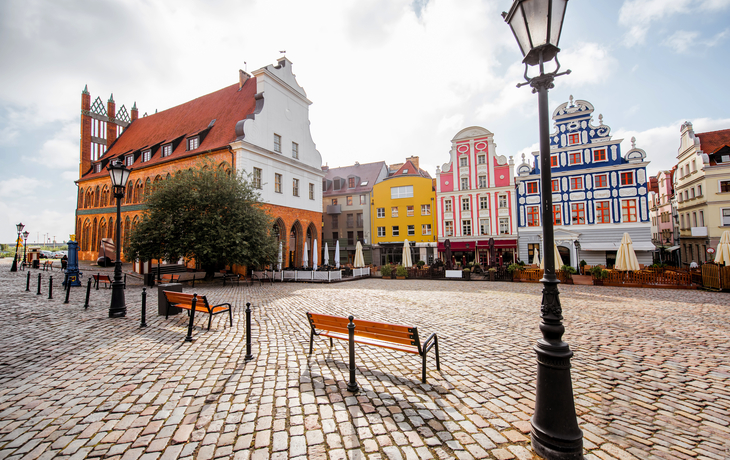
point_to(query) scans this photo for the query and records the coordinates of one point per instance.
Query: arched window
(130, 192)
(147, 188)
(81, 199)
(102, 230)
(86, 235)
(94, 243)
(127, 231)
(112, 229)
(97, 196)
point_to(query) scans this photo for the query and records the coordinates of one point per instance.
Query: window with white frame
(425, 209)
(504, 225)
(600, 181)
(724, 186)
(628, 211)
(627, 178)
(411, 230)
(532, 188)
(483, 202)
(363, 199)
(277, 143)
(576, 183)
(725, 214)
(295, 150)
(463, 161)
(193, 143)
(481, 159)
(396, 230)
(482, 181)
(256, 178)
(381, 232)
(129, 159)
(449, 228)
(295, 187)
(381, 213)
(425, 229)
(465, 204)
(447, 205)
(311, 191)
(573, 138)
(405, 191)
(502, 201)
(464, 183)
(484, 226)
(575, 158)
(409, 211)
(533, 216)
(394, 211)
(599, 155)
(277, 182)
(466, 227)
(702, 218)
(166, 150)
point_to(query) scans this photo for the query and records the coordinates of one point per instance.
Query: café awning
(645, 246)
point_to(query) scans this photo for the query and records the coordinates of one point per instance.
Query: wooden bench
(48, 265)
(392, 336)
(99, 278)
(230, 276)
(193, 303)
(170, 278)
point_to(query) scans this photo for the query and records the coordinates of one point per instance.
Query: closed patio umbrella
(536, 260)
(723, 249)
(407, 261)
(626, 257)
(315, 255)
(558, 260)
(279, 259)
(305, 256)
(359, 259)
(326, 254)
(337, 254)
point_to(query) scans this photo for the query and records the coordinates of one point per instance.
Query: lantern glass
(556, 17)
(118, 174)
(20, 227)
(537, 17)
(25, 234)
(537, 25)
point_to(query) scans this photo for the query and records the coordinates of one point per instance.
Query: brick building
(259, 125)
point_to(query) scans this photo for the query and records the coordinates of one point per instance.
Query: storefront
(504, 252)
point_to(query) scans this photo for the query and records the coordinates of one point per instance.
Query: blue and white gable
(574, 117)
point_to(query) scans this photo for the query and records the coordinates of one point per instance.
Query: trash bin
(36, 263)
(162, 301)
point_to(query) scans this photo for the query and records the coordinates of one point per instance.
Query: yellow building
(403, 209)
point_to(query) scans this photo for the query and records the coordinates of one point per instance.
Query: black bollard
(189, 338)
(50, 287)
(39, 285)
(352, 384)
(88, 293)
(143, 322)
(68, 289)
(248, 356)
(98, 275)
(27, 283)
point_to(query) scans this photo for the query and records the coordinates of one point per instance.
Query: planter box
(400, 277)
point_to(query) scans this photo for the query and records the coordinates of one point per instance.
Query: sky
(387, 78)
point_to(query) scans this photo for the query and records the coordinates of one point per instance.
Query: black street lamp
(536, 25)
(25, 245)
(119, 175)
(14, 267)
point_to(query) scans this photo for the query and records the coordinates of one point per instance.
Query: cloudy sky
(388, 78)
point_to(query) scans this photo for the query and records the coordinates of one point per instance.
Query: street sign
(710, 250)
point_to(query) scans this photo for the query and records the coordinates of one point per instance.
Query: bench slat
(368, 341)
(366, 329)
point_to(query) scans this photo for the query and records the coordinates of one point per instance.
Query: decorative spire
(134, 107)
(523, 157)
(571, 100)
(600, 118)
(111, 98)
(86, 90)
(633, 142)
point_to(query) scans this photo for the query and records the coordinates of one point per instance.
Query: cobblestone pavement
(650, 373)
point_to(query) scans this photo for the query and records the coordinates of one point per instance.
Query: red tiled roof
(713, 141)
(226, 106)
(411, 169)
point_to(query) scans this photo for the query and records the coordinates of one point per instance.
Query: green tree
(206, 214)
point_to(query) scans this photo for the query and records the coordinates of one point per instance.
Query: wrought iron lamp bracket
(544, 79)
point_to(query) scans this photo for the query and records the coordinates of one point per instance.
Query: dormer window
(405, 171)
(166, 150)
(193, 143)
(97, 167)
(146, 155)
(350, 182)
(129, 160)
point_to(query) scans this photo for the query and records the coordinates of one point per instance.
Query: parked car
(60, 254)
(46, 254)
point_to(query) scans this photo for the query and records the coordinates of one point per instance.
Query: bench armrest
(430, 342)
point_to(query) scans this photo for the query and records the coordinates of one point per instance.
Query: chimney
(111, 126)
(85, 150)
(242, 78)
(135, 112)
(414, 160)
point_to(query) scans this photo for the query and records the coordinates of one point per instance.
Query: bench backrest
(393, 333)
(101, 277)
(179, 298)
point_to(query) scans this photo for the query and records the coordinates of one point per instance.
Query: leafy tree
(206, 214)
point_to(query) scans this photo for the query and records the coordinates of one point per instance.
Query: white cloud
(18, 187)
(590, 64)
(62, 150)
(681, 40)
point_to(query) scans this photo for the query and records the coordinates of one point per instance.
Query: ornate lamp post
(25, 245)
(536, 25)
(14, 267)
(119, 175)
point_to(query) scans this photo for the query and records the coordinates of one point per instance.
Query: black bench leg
(230, 315)
(423, 369)
(189, 337)
(436, 347)
(210, 319)
(311, 341)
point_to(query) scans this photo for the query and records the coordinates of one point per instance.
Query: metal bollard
(143, 322)
(88, 293)
(189, 338)
(68, 289)
(39, 285)
(97, 281)
(352, 384)
(50, 287)
(27, 283)
(248, 356)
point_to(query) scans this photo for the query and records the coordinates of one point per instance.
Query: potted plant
(598, 274)
(492, 274)
(386, 270)
(567, 272)
(582, 264)
(466, 273)
(401, 272)
(420, 263)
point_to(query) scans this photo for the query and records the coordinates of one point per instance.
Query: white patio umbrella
(315, 255)
(536, 260)
(279, 259)
(407, 261)
(359, 259)
(723, 249)
(626, 257)
(337, 254)
(305, 256)
(326, 254)
(558, 259)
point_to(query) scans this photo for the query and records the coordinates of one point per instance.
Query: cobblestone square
(651, 373)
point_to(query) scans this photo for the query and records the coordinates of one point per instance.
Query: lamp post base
(118, 307)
